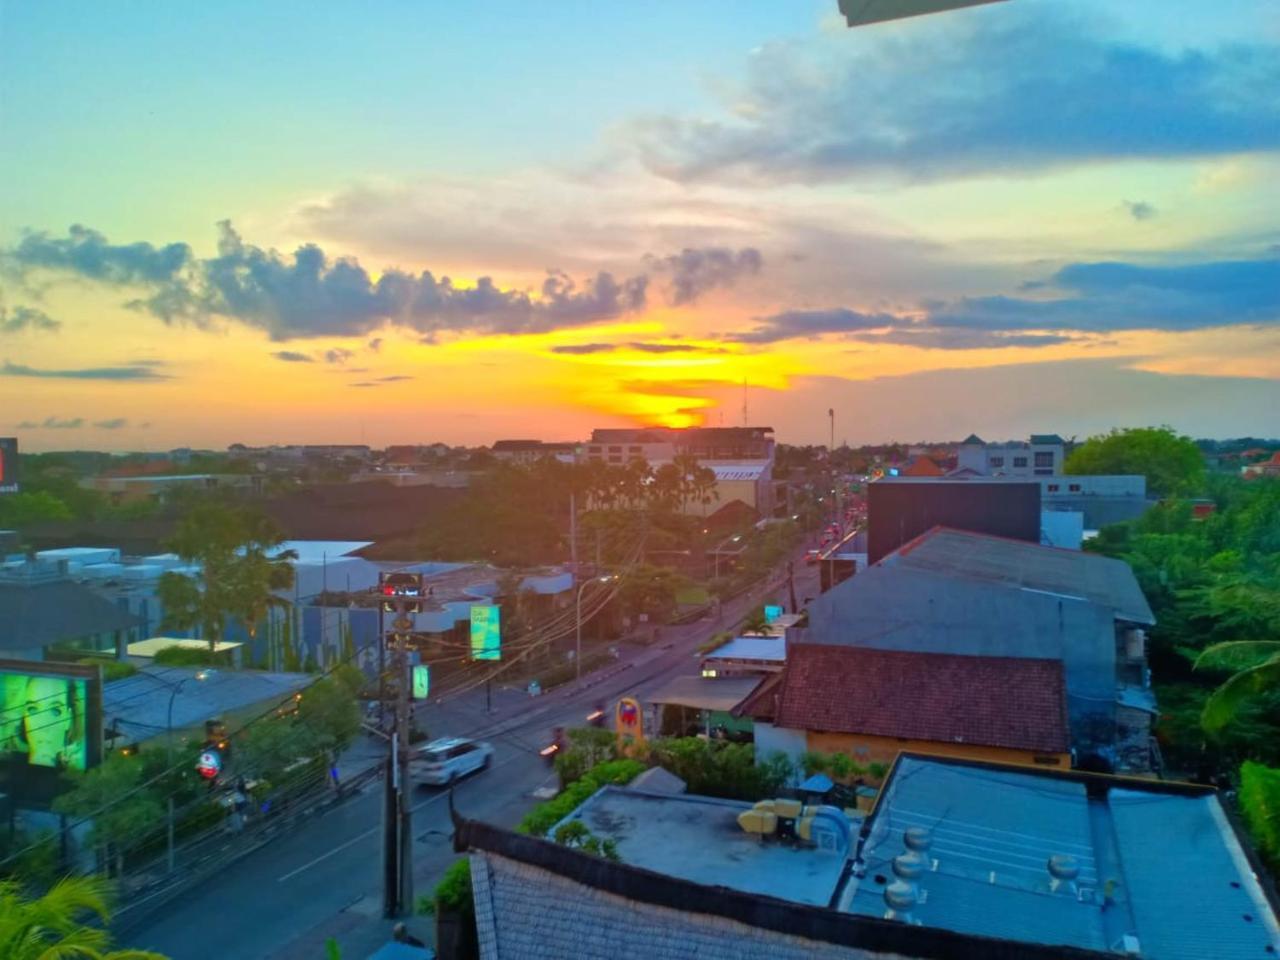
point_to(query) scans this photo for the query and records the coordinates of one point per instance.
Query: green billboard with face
(44, 718)
(486, 633)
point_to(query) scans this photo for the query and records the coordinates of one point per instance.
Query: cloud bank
(1091, 298)
(311, 294)
(26, 318)
(135, 373)
(1030, 90)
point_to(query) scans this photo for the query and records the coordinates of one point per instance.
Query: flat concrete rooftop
(698, 839)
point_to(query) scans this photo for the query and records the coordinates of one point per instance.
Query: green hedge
(546, 815)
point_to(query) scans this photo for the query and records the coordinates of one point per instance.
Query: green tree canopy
(1172, 464)
(239, 570)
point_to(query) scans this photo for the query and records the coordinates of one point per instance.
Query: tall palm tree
(1257, 670)
(54, 927)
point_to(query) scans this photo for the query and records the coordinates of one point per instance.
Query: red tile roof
(1012, 702)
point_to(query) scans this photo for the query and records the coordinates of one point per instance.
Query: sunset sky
(396, 222)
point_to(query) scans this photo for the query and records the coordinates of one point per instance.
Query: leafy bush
(717, 768)
(546, 815)
(588, 746)
(453, 892)
(176, 656)
(575, 834)
(1260, 803)
(111, 669)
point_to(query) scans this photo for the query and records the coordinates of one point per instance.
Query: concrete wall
(770, 739)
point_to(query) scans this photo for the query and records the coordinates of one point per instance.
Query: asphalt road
(323, 880)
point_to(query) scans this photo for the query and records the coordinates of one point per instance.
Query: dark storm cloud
(26, 318)
(1053, 90)
(695, 271)
(292, 356)
(115, 423)
(8, 369)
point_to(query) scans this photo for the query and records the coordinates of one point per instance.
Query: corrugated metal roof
(1177, 879)
(751, 648)
(1066, 573)
(139, 705)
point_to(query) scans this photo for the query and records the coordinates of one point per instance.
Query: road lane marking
(374, 830)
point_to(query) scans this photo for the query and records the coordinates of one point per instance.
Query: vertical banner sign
(421, 681)
(486, 633)
(8, 464)
(629, 723)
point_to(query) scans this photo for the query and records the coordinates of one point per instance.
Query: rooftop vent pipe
(1063, 871)
(900, 897)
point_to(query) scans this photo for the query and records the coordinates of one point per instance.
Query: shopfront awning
(706, 693)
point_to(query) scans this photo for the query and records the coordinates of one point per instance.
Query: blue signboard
(771, 612)
(486, 633)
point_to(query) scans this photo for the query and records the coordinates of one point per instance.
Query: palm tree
(53, 927)
(1257, 670)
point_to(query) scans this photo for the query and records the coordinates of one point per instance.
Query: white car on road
(444, 761)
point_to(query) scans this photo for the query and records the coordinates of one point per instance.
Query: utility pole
(401, 594)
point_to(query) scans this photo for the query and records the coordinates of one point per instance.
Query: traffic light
(400, 591)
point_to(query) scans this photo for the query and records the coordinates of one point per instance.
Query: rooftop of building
(1009, 702)
(751, 648)
(534, 897)
(138, 706)
(1029, 566)
(705, 693)
(699, 839)
(1158, 863)
(43, 611)
(738, 471)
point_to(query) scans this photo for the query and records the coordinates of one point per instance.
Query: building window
(633, 449)
(1044, 459)
(1053, 488)
(1019, 461)
(997, 461)
(1073, 488)
(615, 449)
(615, 458)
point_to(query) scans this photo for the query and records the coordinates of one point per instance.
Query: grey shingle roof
(40, 614)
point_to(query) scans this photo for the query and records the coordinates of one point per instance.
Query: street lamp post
(577, 657)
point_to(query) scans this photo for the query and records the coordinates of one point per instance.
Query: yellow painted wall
(870, 749)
